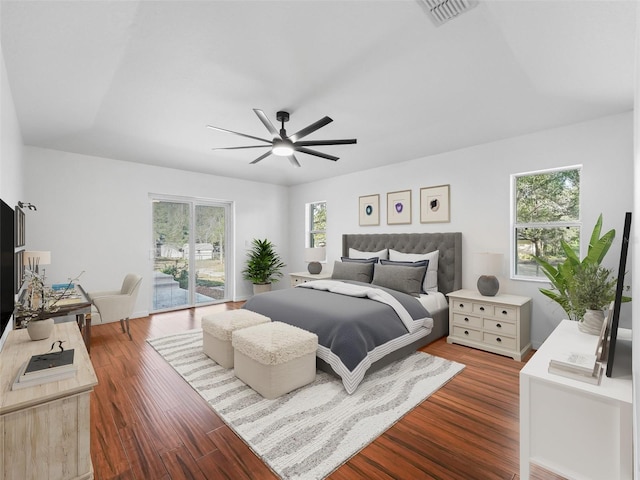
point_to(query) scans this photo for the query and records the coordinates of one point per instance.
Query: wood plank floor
(147, 423)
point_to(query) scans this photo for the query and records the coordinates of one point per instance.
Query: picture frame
(19, 235)
(602, 348)
(435, 204)
(399, 207)
(18, 270)
(369, 210)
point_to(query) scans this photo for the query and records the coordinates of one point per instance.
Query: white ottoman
(275, 358)
(217, 329)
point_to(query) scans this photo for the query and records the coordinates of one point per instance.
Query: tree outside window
(317, 224)
(547, 210)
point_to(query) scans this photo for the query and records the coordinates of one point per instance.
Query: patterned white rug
(313, 430)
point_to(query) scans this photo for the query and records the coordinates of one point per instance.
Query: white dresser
(499, 324)
(573, 428)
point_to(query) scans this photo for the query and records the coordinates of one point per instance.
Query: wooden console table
(44, 429)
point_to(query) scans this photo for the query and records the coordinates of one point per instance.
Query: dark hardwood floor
(147, 423)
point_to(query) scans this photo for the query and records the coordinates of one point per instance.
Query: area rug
(311, 431)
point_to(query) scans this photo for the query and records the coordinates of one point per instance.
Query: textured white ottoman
(217, 329)
(275, 358)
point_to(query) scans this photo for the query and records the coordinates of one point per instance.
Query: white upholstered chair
(115, 305)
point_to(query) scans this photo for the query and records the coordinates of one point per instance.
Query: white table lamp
(488, 265)
(314, 256)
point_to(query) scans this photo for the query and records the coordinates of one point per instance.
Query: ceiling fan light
(282, 148)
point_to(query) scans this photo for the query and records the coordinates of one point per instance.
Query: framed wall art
(399, 208)
(434, 204)
(369, 210)
(19, 227)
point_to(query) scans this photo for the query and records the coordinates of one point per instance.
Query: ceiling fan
(283, 145)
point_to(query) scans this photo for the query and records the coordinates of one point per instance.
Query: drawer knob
(498, 325)
(504, 312)
(482, 309)
(462, 305)
(466, 319)
(466, 332)
(498, 339)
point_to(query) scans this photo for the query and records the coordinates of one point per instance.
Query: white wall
(94, 214)
(480, 196)
(635, 265)
(10, 152)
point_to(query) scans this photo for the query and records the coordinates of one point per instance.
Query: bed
(342, 313)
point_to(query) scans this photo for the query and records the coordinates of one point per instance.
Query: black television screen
(7, 273)
(618, 300)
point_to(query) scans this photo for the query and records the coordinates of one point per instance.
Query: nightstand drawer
(462, 332)
(483, 309)
(500, 327)
(462, 305)
(467, 320)
(508, 343)
(509, 313)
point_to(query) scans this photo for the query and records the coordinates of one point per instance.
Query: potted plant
(578, 284)
(591, 290)
(264, 265)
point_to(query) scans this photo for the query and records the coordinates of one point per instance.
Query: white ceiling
(140, 80)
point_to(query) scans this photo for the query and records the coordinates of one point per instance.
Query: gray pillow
(403, 279)
(418, 264)
(360, 260)
(360, 272)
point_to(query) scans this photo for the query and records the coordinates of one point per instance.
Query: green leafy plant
(592, 287)
(264, 265)
(563, 279)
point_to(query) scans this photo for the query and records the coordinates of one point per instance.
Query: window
(316, 230)
(546, 210)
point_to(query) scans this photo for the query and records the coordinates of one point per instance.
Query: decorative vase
(261, 288)
(592, 322)
(40, 329)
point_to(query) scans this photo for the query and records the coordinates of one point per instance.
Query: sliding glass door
(190, 238)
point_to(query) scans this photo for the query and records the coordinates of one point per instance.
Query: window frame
(514, 226)
(309, 231)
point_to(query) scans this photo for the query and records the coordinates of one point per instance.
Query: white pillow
(431, 278)
(382, 254)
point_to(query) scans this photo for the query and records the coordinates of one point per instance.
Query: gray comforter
(347, 327)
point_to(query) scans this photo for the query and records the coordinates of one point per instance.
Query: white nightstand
(302, 277)
(499, 324)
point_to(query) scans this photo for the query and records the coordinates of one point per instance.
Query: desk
(45, 429)
(79, 306)
(574, 428)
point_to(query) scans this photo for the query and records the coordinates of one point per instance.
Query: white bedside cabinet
(303, 277)
(499, 324)
(573, 428)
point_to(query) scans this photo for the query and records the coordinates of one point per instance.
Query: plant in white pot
(591, 289)
(264, 265)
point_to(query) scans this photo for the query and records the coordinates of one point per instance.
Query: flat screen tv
(615, 320)
(7, 273)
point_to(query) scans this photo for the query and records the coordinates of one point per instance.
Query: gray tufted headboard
(449, 245)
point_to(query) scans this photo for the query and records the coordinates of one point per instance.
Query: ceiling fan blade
(267, 123)
(294, 161)
(239, 148)
(316, 153)
(310, 129)
(310, 143)
(237, 133)
(261, 157)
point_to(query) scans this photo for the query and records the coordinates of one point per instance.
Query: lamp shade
(315, 254)
(33, 257)
(487, 263)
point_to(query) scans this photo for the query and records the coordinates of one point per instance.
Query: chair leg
(122, 325)
(128, 332)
